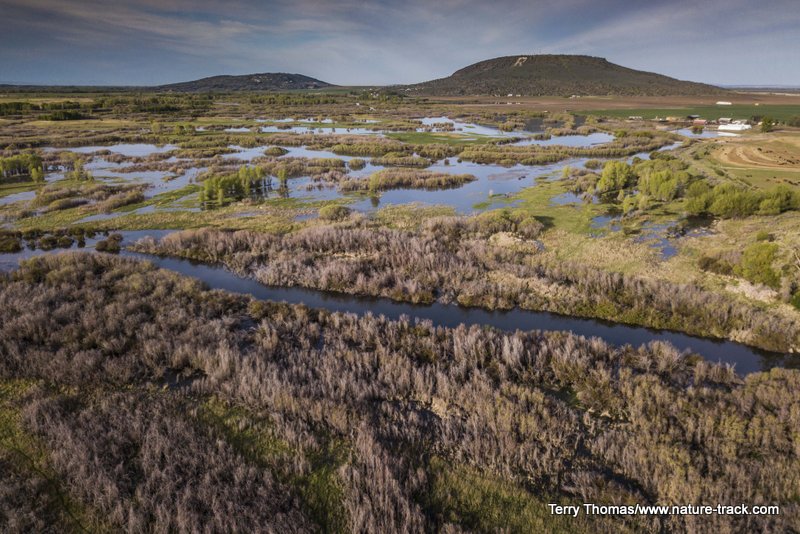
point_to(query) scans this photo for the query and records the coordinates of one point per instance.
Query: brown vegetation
(277, 417)
(405, 178)
(452, 261)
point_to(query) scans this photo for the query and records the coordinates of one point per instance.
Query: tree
(282, 175)
(756, 265)
(22, 165)
(767, 124)
(616, 175)
(37, 174)
(78, 173)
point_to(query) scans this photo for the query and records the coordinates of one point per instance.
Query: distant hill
(543, 75)
(270, 81)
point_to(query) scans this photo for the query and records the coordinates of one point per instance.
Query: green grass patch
(454, 138)
(255, 439)
(483, 503)
(16, 187)
(53, 219)
(575, 218)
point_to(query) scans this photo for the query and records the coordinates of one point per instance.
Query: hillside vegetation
(269, 81)
(539, 75)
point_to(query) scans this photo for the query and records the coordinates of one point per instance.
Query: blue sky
(360, 42)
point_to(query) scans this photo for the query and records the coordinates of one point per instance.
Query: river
(745, 359)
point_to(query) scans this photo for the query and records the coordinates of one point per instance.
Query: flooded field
(494, 185)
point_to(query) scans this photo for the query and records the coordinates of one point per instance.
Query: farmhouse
(724, 103)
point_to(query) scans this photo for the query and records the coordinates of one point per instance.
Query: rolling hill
(546, 75)
(270, 81)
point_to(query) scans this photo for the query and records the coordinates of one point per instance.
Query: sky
(352, 42)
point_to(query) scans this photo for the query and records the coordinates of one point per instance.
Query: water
(569, 198)
(17, 197)
(245, 154)
(305, 152)
(655, 235)
(154, 179)
(465, 127)
(746, 359)
(160, 185)
(157, 181)
(10, 260)
(126, 149)
(705, 134)
(294, 119)
(646, 155)
(310, 125)
(585, 141)
(310, 129)
(491, 181)
(606, 222)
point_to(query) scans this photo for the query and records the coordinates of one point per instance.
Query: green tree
(616, 175)
(37, 174)
(756, 264)
(282, 175)
(767, 124)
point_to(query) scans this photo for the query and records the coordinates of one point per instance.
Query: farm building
(735, 126)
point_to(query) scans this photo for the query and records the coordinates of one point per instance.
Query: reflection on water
(585, 141)
(703, 134)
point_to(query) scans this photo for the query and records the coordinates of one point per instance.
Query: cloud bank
(353, 42)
